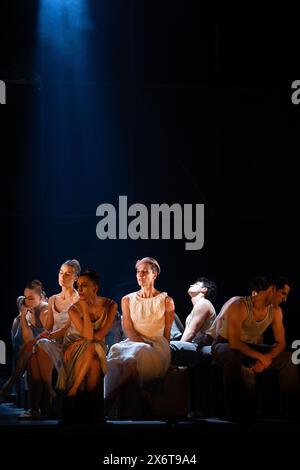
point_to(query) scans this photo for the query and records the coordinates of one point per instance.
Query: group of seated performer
(69, 332)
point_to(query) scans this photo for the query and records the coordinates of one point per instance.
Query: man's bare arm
(200, 314)
(236, 315)
(279, 336)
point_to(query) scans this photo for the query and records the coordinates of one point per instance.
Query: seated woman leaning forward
(27, 327)
(147, 319)
(84, 357)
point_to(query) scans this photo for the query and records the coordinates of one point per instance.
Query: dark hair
(211, 287)
(259, 283)
(92, 275)
(75, 265)
(37, 287)
(280, 280)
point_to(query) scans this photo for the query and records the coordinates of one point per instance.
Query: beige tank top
(252, 330)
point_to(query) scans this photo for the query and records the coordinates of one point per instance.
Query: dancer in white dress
(147, 319)
(49, 348)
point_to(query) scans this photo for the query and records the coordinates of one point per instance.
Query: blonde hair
(75, 265)
(154, 264)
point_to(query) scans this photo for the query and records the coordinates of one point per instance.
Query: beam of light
(64, 32)
(75, 110)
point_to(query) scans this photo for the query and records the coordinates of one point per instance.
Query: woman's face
(66, 276)
(87, 289)
(32, 299)
(144, 274)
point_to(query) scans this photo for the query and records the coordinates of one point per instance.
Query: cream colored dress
(79, 344)
(150, 361)
(54, 347)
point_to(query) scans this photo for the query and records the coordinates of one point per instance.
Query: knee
(174, 345)
(224, 354)
(41, 342)
(40, 345)
(28, 347)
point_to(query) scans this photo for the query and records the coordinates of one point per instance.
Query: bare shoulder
(125, 299)
(277, 313)
(235, 306)
(236, 301)
(107, 302)
(169, 302)
(203, 303)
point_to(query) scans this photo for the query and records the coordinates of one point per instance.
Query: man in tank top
(187, 351)
(239, 342)
(192, 349)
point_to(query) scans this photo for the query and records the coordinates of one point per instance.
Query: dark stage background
(162, 101)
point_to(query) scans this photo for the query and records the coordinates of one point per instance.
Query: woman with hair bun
(48, 351)
(147, 319)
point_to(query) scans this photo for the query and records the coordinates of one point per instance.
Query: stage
(181, 439)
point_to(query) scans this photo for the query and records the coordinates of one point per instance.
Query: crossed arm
(84, 324)
(237, 315)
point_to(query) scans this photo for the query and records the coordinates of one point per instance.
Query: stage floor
(181, 438)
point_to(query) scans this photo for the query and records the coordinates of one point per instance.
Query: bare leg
(81, 368)
(16, 375)
(94, 375)
(21, 367)
(46, 367)
(35, 384)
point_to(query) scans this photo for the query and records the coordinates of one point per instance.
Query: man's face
(195, 288)
(280, 295)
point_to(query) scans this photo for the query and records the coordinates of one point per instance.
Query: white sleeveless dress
(54, 347)
(148, 318)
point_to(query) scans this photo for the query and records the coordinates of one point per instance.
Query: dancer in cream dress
(147, 319)
(84, 358)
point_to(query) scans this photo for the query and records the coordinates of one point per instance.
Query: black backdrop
(168, 101)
